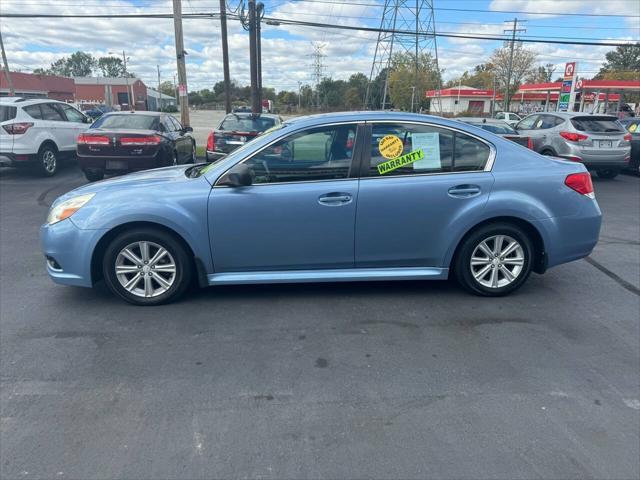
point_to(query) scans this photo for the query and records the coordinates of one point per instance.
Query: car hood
(171, 176)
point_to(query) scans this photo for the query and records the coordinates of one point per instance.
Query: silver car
(600, 142)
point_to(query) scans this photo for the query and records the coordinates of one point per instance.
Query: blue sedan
(328, 198)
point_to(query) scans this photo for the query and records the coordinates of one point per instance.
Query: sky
(37, 42)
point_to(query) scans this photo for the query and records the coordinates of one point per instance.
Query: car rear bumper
(68, 251)
(11, 159)
(595, 158)
(119, 164)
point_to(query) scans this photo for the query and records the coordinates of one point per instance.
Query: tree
(168, 88)
(79, 64)
(405, 82)
(542, 74)
(111, 67)
(625, 58)
(481, 78)
(522, 65)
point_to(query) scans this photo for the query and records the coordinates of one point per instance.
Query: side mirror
(238, 176)
(88, 119)
(187, 129)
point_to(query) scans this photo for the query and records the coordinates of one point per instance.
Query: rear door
(411, 196)
(300, 211)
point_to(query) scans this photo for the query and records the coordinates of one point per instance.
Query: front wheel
(147, 267)
(494, 260)
(608, 172)
(194, 157)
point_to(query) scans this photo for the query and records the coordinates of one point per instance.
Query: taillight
(17, 128)
(581, 183)
(573, 136)
(530, 143)
(138, 141)
(627, 137)
(211, 142)
(88, 139)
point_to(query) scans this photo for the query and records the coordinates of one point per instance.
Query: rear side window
(409, 149)
(33, 111)
(247, 124)
(7, 113)
(597, 124)
(49, 112)
(548, 121)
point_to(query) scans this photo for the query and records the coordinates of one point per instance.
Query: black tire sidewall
(462, 271)
(94, 175)
(40, 165)
(607, 173)
(166, 240)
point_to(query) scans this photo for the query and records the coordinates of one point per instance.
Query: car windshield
(597, 124)
(496, 128)
(247, 124)
(127, 121)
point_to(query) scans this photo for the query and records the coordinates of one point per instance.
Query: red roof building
(31, 85)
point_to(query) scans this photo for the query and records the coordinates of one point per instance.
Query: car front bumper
(68, 252)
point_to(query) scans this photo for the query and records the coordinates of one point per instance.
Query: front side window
(322, 153)
(527, 123)
(72, 114)
(410, 149)
(49, 112)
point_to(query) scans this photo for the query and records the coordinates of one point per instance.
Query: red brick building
(111, 91)
(30, 85)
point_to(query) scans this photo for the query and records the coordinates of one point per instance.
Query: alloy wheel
(49, 161)
(497, 261)
(145, 269)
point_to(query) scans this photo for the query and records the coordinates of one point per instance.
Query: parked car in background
(600, 142)
(38, 133)
(96, 111)
(499, 127)
(633, 127)
(509, 117)
(434, 198)
(235, 130)
(121, 142)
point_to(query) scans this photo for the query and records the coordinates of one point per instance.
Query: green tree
(79, 64)
(111, 67)
(624, 59)
(168, 88)
(408, 80)
(523, 65)
(542, 74)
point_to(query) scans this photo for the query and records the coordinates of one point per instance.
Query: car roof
(493, 121)
(249, 115)
(142, 112)
(19, 101)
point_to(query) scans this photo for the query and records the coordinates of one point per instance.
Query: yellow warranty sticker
(633, 127)
(405, 159)
(390, 146)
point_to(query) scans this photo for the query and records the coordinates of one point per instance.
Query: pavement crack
(613, 276)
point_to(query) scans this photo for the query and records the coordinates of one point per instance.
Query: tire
(174, 267)
(486, 284)
(48, 162)
(93, 175)
(608, 173)
(194, 157)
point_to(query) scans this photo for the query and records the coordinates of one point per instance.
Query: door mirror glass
(187, 129)
(238, 176)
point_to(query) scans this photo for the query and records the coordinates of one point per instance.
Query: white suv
(509, 117)
(38, 133)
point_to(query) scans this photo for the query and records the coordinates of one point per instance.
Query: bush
(170, 109)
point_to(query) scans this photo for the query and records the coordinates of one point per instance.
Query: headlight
(67, 208)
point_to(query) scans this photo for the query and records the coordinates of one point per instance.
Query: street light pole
(413, 93)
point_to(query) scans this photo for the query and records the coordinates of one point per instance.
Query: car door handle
(334, 199)
(464, 191)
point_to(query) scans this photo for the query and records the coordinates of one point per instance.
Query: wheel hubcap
(145, 269)
(497, 261)
(49, 161)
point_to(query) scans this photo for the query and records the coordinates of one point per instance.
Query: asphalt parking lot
(364, 380)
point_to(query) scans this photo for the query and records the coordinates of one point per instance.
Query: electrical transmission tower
(317, 68)
(407, 27)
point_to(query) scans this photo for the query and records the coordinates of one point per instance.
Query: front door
(410, 199)
(298, 214)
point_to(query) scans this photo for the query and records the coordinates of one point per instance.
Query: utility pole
(413, 94)
(256, 106)
(12, 91)
(182, 69)
(225, 56)
(159, 92)
(493, 97)
(299, 94)
(259, 15)
(513, 31)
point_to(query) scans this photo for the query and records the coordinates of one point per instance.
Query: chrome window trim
(487, 167)
(356, 123)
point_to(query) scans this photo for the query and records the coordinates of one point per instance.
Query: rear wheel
(608, 172)
(147, 267)
(494, 260)
(93, 175)
(47, 163)
(194, 157)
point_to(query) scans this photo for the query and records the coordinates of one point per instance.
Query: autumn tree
(523, 65)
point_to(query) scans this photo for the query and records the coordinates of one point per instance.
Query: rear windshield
(247, 124)
(499, 129)
(127, 121)
(7, 113)
(597, 124)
